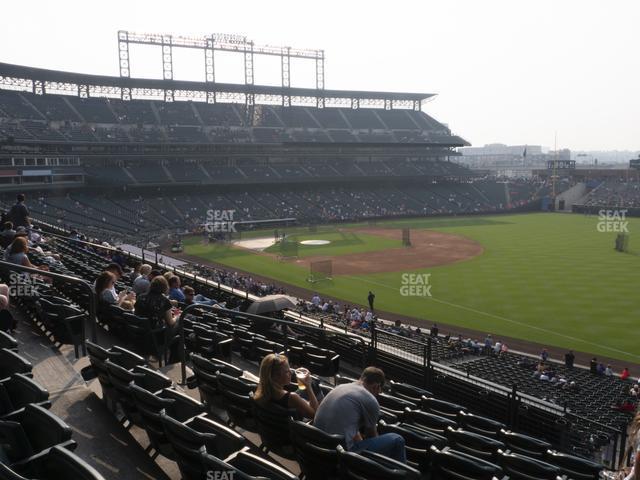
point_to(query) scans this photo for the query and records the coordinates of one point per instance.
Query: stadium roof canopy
(39, 80)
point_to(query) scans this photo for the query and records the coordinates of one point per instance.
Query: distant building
(510, 160)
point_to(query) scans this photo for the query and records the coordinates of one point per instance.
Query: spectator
(625, 374)
(115, 269)
(569, 358)
(352, 406)
(119, 257)
(190, 298)
(593, 365)
(135, 273)
(497, 348)
(488, 344)
(434, 330)
(156, 306)
(19, 213)
(175, 292)
(504, 349)
(544, 355)
(600, 369)
(607, 371)
(106, 291)
(141, 284)
(7, 235)
(7, 322)
(275, 375)
(16, 253)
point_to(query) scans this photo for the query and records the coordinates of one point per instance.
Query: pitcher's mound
(315, 242)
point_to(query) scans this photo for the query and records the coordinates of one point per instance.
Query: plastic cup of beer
(301, 376)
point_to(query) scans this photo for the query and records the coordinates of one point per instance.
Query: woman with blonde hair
(275, 374)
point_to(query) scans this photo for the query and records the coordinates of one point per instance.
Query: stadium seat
(524, 444)
(573, 467)
(272, 422)
(228, 440)
(237, 396)
(320, 361)
(56, 463)
(251, 464)
(481, 425)
(449, 464)
(186, 445)
(8, 342)
(418, 442)
(18, 391)
(372, 466)
(474, 444)
(442, 408)
(315, 450)
(521, 467)
(429, 421)
(34, 431)
(408, 392)
(11, 362)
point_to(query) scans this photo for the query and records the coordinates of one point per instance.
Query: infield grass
(548, 278)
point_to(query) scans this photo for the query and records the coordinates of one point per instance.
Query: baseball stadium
(166, 240)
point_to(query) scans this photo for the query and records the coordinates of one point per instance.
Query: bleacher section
(453, 426)
(197, 122)
(128, 213)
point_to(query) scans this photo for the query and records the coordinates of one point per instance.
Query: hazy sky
(509, 71)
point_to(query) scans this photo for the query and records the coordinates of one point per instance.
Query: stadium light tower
(209, 45)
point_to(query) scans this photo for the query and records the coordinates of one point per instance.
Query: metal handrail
(66, 278)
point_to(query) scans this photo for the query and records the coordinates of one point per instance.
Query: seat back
(148, 407)
(524, 444)
(11, 362)
(183, 407)
(449, 464)
(7, 474)
(61, 463)
(440, 407)
(482, 425)
(429, 421)
(474, 444)
(227, 439)
(520, 467)
(315, 450)
(187, 444)
(408, 392)
(272, 422)
(125, 358)
(257, 466)
(370, 466)
(7, 341)
(151, 380)
(23, 390)
(573, 467)
(43, 428)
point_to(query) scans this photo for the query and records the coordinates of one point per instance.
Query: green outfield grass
(549, 278)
